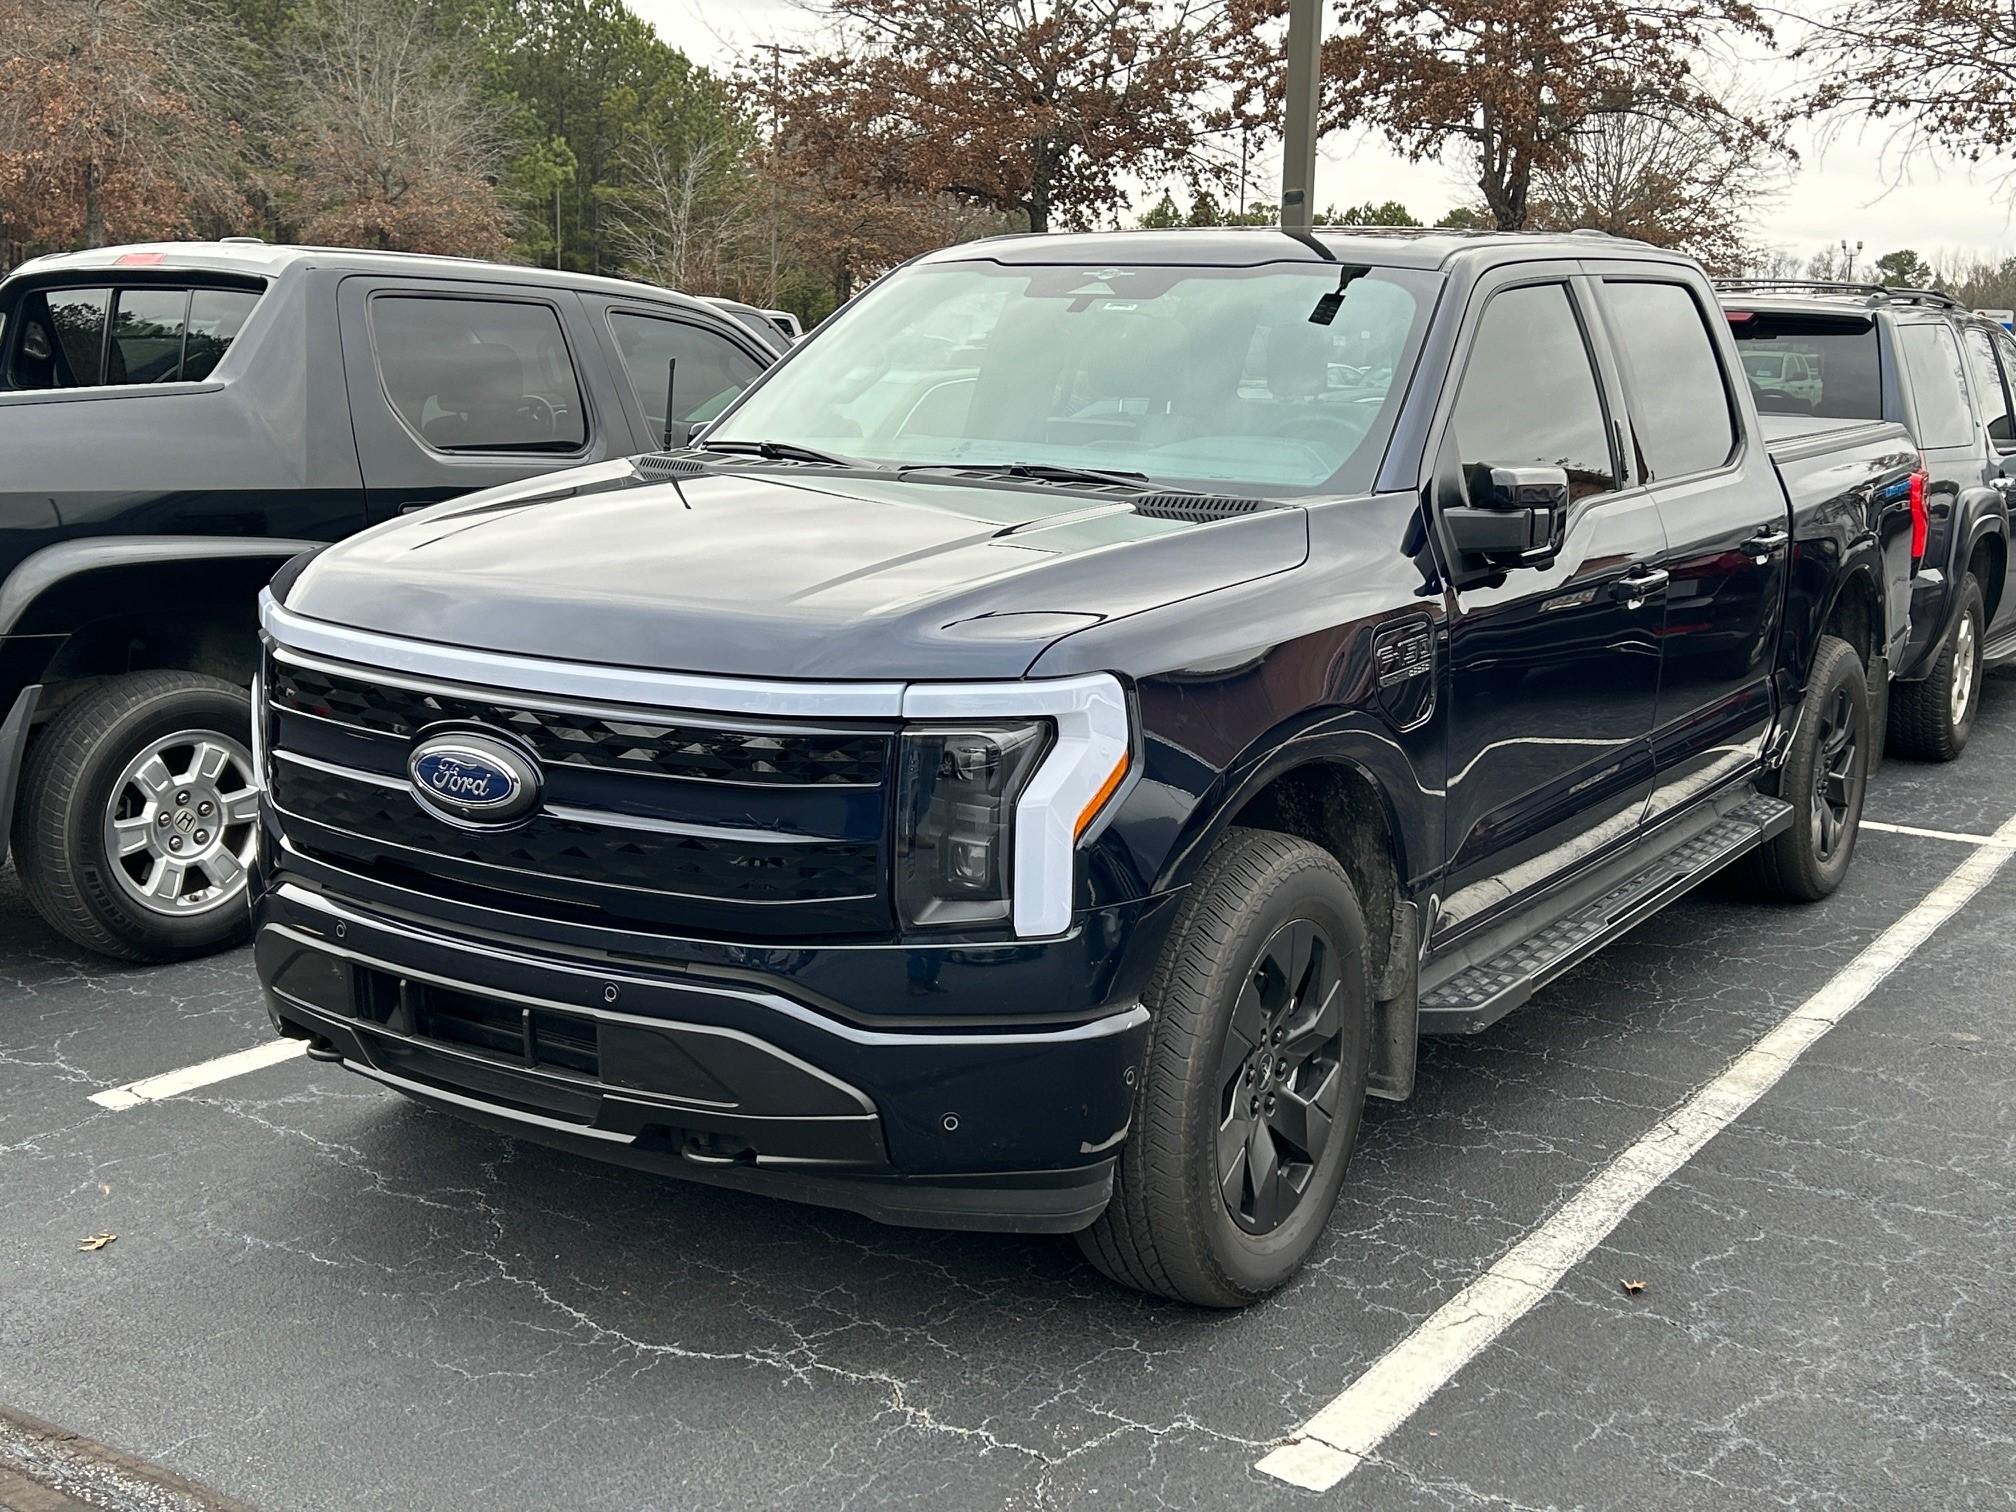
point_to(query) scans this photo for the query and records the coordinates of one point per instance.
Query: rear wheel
(136, 818)
(1931, 720)
(1255, 1082)
(1825, 777)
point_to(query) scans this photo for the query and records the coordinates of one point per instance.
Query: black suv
(178, 420)
(1044, 756)
(1947, 375)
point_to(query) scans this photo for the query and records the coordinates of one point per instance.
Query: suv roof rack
(1872, 293)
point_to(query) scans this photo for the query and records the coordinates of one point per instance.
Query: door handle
(1639, 584)
(1760, 546)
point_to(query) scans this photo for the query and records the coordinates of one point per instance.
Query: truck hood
(777, 574)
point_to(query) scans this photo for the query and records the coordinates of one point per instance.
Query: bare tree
(392, 144)
(683, 220)
(1668, 178)
(1934, 73)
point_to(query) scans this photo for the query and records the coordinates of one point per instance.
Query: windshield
(1250, 380)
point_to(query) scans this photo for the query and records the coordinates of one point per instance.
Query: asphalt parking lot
(322, 1296)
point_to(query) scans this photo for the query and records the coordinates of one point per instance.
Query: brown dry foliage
(1517, 80)
(1028, 107)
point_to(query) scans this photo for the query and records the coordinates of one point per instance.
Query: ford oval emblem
(473, 779)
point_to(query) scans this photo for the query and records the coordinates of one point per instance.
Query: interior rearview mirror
(1515, 515)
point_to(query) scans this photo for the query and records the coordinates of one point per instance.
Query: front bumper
(714, 1078)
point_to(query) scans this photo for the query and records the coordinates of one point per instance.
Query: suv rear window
(155, 333)
(1803, 364)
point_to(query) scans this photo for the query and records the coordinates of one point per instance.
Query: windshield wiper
(1040, 472)
(779, 451)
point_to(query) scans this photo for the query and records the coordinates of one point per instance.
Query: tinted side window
(711, 370)
(61, 339)
(1679, 403)
(1529, 392)
(147, 327)
(216, 316)
(1991, 393)
(478, 374)
(1932, 359)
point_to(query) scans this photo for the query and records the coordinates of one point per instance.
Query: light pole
(1298, 128)
(777, 50)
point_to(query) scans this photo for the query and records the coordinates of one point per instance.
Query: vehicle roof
(1250, 246)
(264, 259)
(1849, 299)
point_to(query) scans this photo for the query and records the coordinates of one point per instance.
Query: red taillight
(1920, 525)
(1738, 317)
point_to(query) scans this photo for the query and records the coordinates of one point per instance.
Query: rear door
(1553, 668)
(460, 386)
(1727, 530)
(1987, 352)
(662, 353)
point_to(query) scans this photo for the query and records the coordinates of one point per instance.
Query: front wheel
(1931, 720)
(1255, 1080)
(136, 817)
(1825, 777)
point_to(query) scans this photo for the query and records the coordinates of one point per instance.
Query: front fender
(62, 586)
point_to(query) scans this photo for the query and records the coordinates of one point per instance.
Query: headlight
(955, 828)
(999, 783)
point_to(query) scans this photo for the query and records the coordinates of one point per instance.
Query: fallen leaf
(1632, 1288)
(96, 1241)
(105, 1187)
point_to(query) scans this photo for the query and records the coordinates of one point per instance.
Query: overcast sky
(1839, 189)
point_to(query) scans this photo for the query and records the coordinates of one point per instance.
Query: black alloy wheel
(1280, 1077)
(1834, 774)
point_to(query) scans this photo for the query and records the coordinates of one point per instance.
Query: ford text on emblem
(473, 779)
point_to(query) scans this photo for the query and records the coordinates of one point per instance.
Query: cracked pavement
(323, 1296)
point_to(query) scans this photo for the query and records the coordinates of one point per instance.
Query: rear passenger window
(216, 316)
(1529, 393)
(478, 374)
(154, 334)
(1674, 368)
(702, 370)
(1932, 359)
(1991, 392)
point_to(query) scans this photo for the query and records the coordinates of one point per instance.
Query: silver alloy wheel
(180, 825)
(1964, 668)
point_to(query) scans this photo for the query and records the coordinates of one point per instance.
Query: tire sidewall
(1838, 666)
(1972, 607)
(1253, 1265)
(221, 709)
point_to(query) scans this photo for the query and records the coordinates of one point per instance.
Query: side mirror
(1516, 515)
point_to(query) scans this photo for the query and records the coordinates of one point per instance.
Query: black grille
(756, 753)
(601, 855)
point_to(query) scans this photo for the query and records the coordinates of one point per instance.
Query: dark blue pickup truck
(1046, 753)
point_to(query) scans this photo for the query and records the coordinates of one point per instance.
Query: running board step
(1478, 996)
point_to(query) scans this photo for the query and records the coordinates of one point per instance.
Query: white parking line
(1930, 834)
(189, 1078)
(1350, 1429)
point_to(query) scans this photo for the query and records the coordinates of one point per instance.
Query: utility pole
(777, 51)
(1298, 162)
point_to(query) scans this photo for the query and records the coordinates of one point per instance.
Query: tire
(1931, 720)
(80, 786)
(1825, 778)
(1262, 903)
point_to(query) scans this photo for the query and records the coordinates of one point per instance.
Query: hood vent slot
(666, 465)
(1200, 509)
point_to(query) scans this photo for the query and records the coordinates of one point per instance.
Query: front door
(1553, 668)
(1728, 536)
(461, 386)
